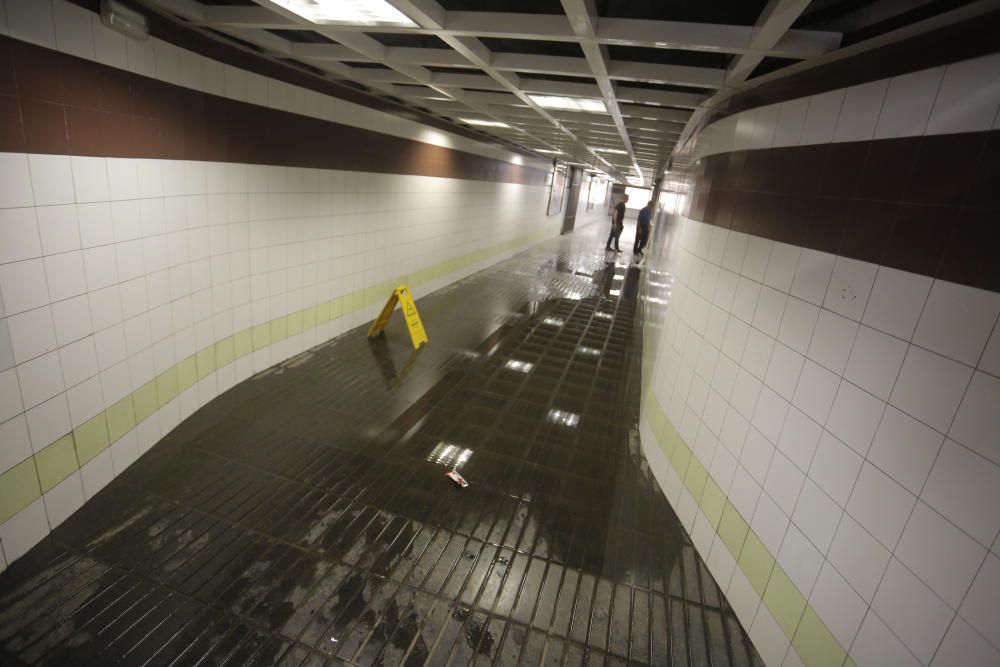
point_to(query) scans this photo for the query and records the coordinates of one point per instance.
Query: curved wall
(171, 225)
(823, 370)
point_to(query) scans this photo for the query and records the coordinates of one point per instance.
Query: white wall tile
(877, 645)
(19, 237)
(897, 301)
(40, 379)
(815, 392)
(768, 637)
(770, 523)
(832, 340)
(58, 228)
(32, 22)
(875, 361)
(965, 488)
(880, 505)
(799, 438)
(798, 323)
(96, 474)
(51, 179)
(757, 256)
(90, 179)
(63, 499)
(990, 361)
(908, 103)
(24, 529)
(10, 395)
(905, 449)
(800, 560)
(821, 117)
(849, 288)
(957, 321)
(79, 361)
(930, 387)
(15, 181)
(968, 98)
(854, 417)
(977, 424)
(945, 558)
(15, 443)
(790, 121)
(859, 557)
(23, 286)
(835, 468)
(770, 309)
(65, 275)
(784, 369)
(917, 616)
(817, 516)
(860, 111)
(31, 333)
(812, 275)
(981, 607)
(841, 609)
(964, 646)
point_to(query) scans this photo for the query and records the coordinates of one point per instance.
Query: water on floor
(304, 517)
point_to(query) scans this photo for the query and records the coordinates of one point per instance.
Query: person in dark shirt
(617, 224)
(642, 229)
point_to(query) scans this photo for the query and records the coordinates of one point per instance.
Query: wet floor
(304, 517)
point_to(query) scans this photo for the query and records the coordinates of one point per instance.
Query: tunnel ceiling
(648, 69)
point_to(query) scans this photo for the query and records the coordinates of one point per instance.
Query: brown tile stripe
(929, 205)
(51, 102)
(961, 41)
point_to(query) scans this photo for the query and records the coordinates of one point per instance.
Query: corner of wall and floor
(171, 225)
(822, 368)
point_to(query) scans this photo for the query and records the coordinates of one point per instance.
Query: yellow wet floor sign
(402, 296)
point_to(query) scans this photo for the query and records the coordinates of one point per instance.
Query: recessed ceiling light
(611, 151)
(569, 103)
(350, 12)
(483, 123)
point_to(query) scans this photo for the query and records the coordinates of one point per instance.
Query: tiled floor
(304, 517)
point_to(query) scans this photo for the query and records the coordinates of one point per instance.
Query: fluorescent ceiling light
(569, 103)
(564, 418)
(483, 123)
(550, 151)
(449, 455)
(611, 151)
(519, 366)
(350, 12)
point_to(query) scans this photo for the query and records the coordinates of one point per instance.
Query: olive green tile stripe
(812, 640)
(27, 481)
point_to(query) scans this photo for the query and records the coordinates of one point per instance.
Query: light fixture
(549, 151)
(611, 151)
(479, 122)
(602, 315)
(519, 366)
(588, 351)
(614, 292)
(449, 455)
(553, 321)
(348, 12)
(122, 19)
(569, 103)
(564, 418)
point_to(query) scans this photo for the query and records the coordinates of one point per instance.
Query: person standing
(642, 228)
(617, 224)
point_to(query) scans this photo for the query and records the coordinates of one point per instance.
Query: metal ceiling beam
(550, 27)
(582, 16)
(776, 19)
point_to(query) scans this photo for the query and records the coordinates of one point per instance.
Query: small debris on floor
(503, 560)
(456, 477)
(470, 555)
